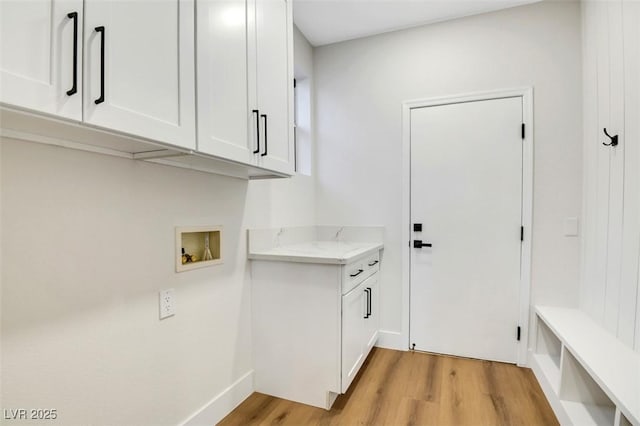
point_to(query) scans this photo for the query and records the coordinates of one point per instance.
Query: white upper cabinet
(129, 67)
(139, 68)
(275, 83)
(40, 59)
(139, 75)
(224, 116)
(245, 81)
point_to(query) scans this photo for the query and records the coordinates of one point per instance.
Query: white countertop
(331, 252)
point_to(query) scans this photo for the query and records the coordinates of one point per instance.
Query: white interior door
(466, 191)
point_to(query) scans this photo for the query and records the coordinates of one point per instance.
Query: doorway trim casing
(527, 204)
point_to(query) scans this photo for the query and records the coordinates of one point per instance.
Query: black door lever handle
(420, 244)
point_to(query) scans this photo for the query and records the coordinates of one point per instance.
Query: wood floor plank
(413, 412)
(415, 389)
(425, 377)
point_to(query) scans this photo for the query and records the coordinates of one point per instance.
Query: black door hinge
(523, 131)
(522, 233)
(518, 333)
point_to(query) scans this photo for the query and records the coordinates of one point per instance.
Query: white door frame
(527, 203)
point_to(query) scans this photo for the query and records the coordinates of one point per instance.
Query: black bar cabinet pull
(357, 273)
(367, 290)
(257, 113)
(265, 135)
(369, 296)
(101, 98)
(420, 244)
(375, 262)
(614, 139)
(74, 88)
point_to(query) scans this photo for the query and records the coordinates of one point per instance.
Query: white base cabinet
(359, 327)
(313, 326)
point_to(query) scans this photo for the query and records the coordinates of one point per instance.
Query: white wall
(304, 102)
(361, 84)
(291, 202)
(88, 241)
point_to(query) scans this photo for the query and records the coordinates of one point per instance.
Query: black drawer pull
(357, 273)
(74, 88)
(257, 112)
(368, 313)
(266, 135)
(101, 98)
(375, 262)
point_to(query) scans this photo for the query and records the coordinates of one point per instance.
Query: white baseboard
(392, 340)
(223, 403)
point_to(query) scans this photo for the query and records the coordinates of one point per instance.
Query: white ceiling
(330, 21)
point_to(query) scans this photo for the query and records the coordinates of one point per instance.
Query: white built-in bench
(587, 374)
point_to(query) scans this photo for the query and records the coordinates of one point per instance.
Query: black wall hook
(614, 139)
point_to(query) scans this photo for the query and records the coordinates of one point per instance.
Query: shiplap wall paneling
(598, 161)
(630, 289)
(611, 38)
(596, 180)
(615, 125)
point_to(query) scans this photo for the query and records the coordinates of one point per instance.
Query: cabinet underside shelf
(32, 127)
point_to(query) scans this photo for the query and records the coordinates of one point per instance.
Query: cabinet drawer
(372, 263)
(354, 273)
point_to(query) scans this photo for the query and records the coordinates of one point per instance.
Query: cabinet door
(372, 323)
(275, 83)
(227, 127)
(145, 86)
(353, 313)
(37, 49)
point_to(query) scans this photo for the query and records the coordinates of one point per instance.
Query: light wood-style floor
(413, 388)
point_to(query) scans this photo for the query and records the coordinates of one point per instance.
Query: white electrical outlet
(167, 303)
